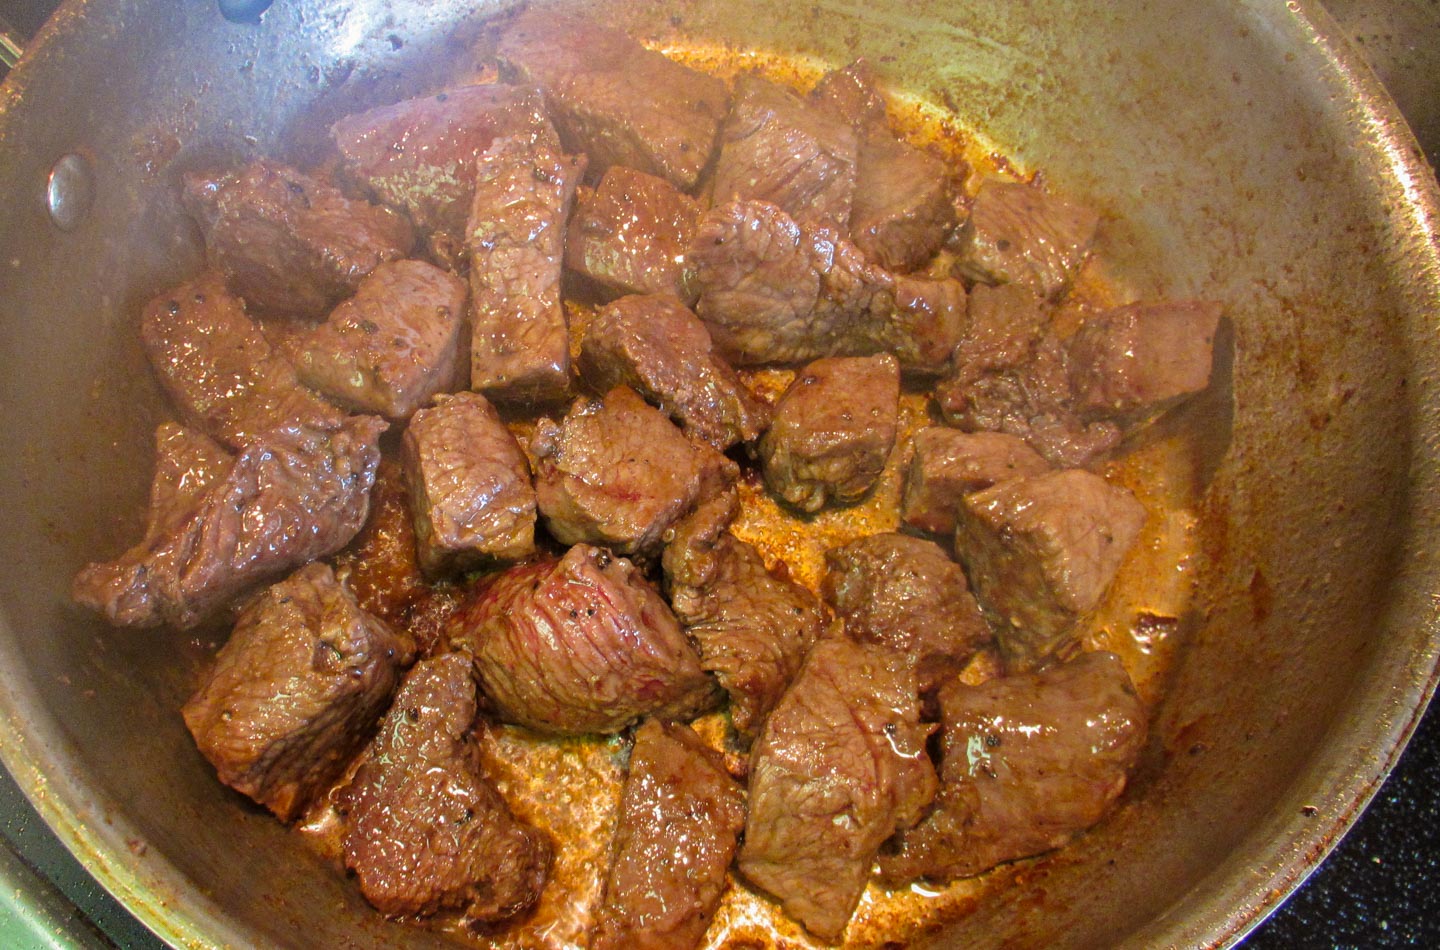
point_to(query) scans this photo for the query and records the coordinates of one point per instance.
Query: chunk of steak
(833, 430)
(392, 346)
(288, 242)
(772, 291)
(1018, 234)
(776, 147)
(219, 371)
(1139, 359)
(949, 464)
(904, 208)
(1005, 324)
(906, 594)
(296, 690)
(292, 496)
(851, 95)
(617, 472)
(680, 815)
(426, 830)
(520, 344)
(381, 565)
(613, 99)
(580, 645)
(630, 234)
(840, 765)
(1041, 551)
(469, 486)
(1028, 763)
(662, 350)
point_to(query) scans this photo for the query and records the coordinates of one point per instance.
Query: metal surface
(1237, 153)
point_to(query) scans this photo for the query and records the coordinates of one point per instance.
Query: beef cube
(426, 830)
(288, 242)
(680, 815)
(392, 346)
(949, 464)
(219, 371)
(839, 767)
(772, 291)
(187, 463)
(1018, 234)
(617, 472)
(662, 350)
(630, 234)
(1041, 552)
(580, 645)
(470, 486)
(776, 147)
(294, 495)
(613, 99)
(381, 565)
(833, 430)
(903, 209)
(1028, 763)
(1006, 322)
(296, 690)
(520, 347)
(851, 95)
(1140, 358)
(906, 594)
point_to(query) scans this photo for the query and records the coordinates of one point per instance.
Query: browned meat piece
(839, 767)
(419, 155)
(776, 147)
(614, 100)
(580, 645)
(662, 350)
(381, 565)
(617, 472)
(850, 94)
(1028, 763)
(630, 234)
(833, 430)
(1018, 234)
(679, 817)
(1005, 324)
(1040, 552)
(393, 345)
(296, 690)
(903, 206)
(753, 626)
(469, 486)
(1141, 358)
(426, 830)
(292, 496)
(906, 594)
(520, 347)
(187, 463)
(774, 292)
(218, 369)
(949, 464)
(288, 242)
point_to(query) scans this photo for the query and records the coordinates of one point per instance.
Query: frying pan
(1237, 152)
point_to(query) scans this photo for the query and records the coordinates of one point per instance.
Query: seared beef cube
(1018, 234)
(393, 345)
(187, 463)
(296, 690)
(772, 291)
(1028, 763)
(850, 94)
(292, 496)
(419, 155)
(288, 242)
(906, 594)
(580, 645)
(631, 232)
(613, 99)
(520, 348)
(469, 486)
(1041, 552)
(753, 626)
(949, 464)
(662, 350)
(219, 371)
(833, 430)
(426, 830)
(381, 566)
(840, 766)
(903, 206)
(1005, 324)
(776, 147)
(1138, 359)
(679, 817)
(617, 472)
